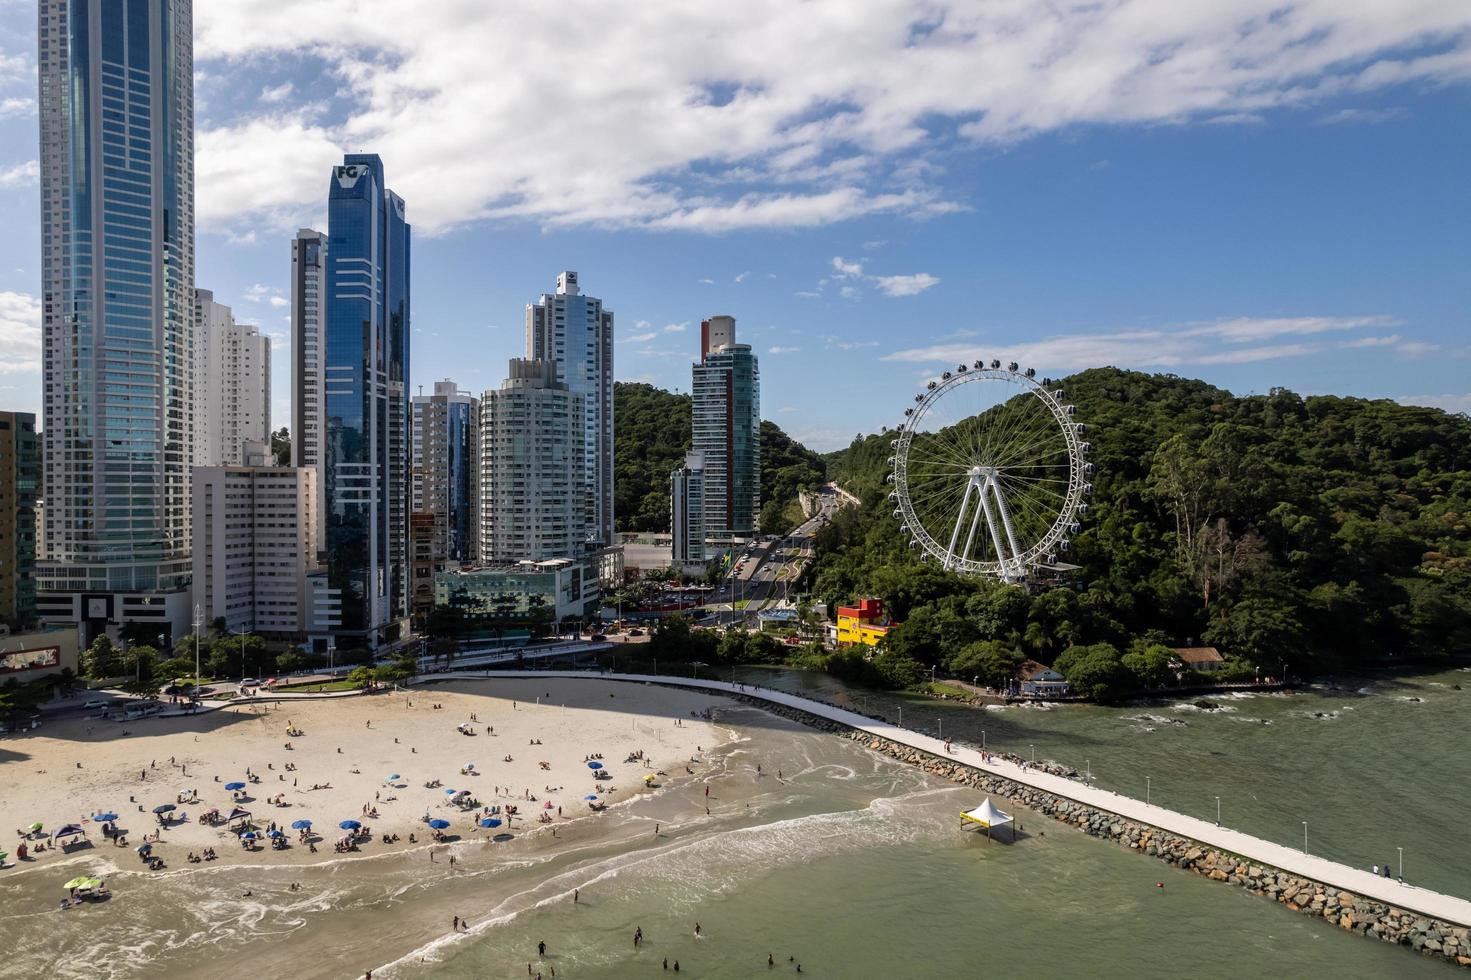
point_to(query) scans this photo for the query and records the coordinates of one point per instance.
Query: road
(764, 578)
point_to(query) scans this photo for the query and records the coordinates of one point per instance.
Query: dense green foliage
(1289, 532)
(652, 433)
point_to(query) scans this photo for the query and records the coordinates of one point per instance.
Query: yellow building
(864, 623)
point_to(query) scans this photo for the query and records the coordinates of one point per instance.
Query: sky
(1260, 193)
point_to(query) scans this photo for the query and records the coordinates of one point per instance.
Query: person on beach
(541, 949)
(638, 937)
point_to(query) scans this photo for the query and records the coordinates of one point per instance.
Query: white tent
(989, 817)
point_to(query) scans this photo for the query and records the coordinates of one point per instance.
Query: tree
(1262, 630)
(1153, 665)
(102, 659)
(988, 661)
(281, 446)
(360, 676)
(1095, 671)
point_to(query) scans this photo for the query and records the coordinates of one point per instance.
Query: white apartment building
(308, 347)
(575, 332)
(532, 458)
(257, 532)
(232, 384)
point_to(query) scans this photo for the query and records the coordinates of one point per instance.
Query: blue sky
(1258, 194)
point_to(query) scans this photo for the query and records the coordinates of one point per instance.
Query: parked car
(93, 704)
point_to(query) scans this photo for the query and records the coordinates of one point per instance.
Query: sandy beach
(532, 740)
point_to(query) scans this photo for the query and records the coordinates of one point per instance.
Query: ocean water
(851, 864)
(1372, 763)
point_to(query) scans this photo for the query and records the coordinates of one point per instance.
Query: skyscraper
(445, 468)
(232, 384)
(19, 468)
(117, 257)
(727, 431)
(308, 345)
(532, 456)
(575, 333)
(365, 370)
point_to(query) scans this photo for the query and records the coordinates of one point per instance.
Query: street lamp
(1401, 864)
(1146, 790)
(198, 624)
(1218, 814)
(1034, 755)
(1087, 772)
(983, 741)
(1304, 836)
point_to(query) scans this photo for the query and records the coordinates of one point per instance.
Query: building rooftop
(1199, 655)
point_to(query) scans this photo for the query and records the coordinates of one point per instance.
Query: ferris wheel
(990, 472)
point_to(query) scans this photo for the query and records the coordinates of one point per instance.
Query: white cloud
(676, 327)
(277, 93)
(279, 301)
(1451, 403)
(16, 106)
(667, 116)
(742, 276)
(707, 282)
(783, 350)
(1359, 116)
(20, 332)
(1239, 340)
(906, 285)
(843, 267)
(21, 174)
(639, 338)
(257, 293)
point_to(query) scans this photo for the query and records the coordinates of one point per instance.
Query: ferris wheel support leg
(975, 520)
(959, 523)
(995, 532)
(1010, 528)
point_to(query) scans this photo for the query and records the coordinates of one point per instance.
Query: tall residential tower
(575, 333)
(117, 259)
(727, 432)
(232, 384)
(365, 370)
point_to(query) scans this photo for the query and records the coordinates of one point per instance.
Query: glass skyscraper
(366, 370)
(117, 257)
(727, 432)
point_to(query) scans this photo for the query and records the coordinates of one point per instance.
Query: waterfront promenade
(1254, 849)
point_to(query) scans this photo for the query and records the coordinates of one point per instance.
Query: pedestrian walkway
(1254, 849)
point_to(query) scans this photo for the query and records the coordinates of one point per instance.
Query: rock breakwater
(1352, 913)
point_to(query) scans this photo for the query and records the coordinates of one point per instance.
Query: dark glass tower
(366, 372)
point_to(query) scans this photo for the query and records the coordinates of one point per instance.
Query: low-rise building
(31, 656)
(1207, 659)
(865, 623)
(536, 593)
(1039, 680)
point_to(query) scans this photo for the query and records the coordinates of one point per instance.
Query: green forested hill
(1313, 532)
(651, 436)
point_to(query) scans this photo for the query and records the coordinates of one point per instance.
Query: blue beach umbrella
(275, 833)
(232, 787)
(392, 778)
(490, 822)
(301, 825)
(144, 848)
(104, 817)
(450, 792)
(349, 825)
(248, 835)
(439, 824)
(590, 796)
(595, 765)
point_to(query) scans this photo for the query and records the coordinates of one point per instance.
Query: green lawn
(940, 687)
(322, 686)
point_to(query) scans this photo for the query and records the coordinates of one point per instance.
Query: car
(250, 682)
(93, 704)
(635, 632)
(599, 636)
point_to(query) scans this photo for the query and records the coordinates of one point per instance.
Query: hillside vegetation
(1305, 533)
(652, 433)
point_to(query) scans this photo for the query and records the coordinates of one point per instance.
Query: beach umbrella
(392, 778)
(35, 826)
(469, 765)
(439, 824)
(165, 808)
(450, 792)
(232, 787)
(144, 848)
(248, 835)
(349, 825)
(490, 822)
(463, 792)
(590, 796)
(104, 817)
(93, 883)
(301, 825)
(275, 833)
(595, 765)
(78, 882)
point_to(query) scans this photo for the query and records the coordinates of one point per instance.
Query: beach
(530, 748)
